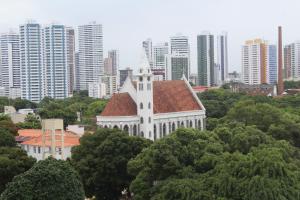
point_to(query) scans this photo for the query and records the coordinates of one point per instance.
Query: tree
(6, 139)
(96, 107)
(23, 103)
(8, 125)
(13, 161)
(101, 160)
(47, 179)
(31, 122)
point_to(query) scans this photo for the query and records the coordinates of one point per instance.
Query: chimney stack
(280, 87)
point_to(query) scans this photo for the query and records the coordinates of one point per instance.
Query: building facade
(97, 90)
(32, 70)
(10, 62)
(70, 37)
(124, 73)
(206, 59)
(114, 56)
(292, 61)
(222, 57)
(177, 66)
(55, 60)
(272, 64)
(90, 53)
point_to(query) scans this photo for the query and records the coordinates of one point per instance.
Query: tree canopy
(101, 160)
(47, 179)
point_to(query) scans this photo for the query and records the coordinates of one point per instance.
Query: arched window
(199, 124)
(164, 130)
(173, 126)
(141, 105)
(126, 128)
(142, 134)
(149, 105)
(149, 119)
(105, 126)
(148, 78)
(182, 124)
(116, 127)
(191, 124)
(142, 120)
(154, 131)
(150, 134)
(134, 130)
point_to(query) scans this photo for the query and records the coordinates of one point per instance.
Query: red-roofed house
(153, 109)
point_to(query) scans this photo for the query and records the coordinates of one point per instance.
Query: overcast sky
(126, 23)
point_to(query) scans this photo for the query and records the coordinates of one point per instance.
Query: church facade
(153, 109)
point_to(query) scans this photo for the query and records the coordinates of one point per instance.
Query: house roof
(120, 104)
(168, 96)
(34, 138)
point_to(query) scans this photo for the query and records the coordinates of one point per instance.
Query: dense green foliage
(47, 179)
(292, 84)
(101, 160)
(31, 122)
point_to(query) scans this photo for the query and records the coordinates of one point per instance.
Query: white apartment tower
(55, 61)
(70, 38)
(10, 62)
(32, 71)
(114, 56)
(159, 52)
(90, 53)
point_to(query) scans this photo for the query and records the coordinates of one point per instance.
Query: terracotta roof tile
(173, 96)
(120, 104)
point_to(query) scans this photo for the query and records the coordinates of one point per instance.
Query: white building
(114, 56)
(222, 57)
(90, 53)
(32, 70)
(110, 83)
(9, 61)
(97, 90)
(292, 61)
(153, 109)
(147, 45)
(159, 53)
(31, 141)
(55, 61)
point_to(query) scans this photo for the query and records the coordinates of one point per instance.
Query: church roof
(120, 104)
(168, 96)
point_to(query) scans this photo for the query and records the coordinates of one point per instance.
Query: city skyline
(124, 31)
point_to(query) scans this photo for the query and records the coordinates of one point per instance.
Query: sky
(126, 23)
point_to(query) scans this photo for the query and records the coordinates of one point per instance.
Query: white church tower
(145, 98)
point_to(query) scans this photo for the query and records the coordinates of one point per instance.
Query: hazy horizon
(127, 23)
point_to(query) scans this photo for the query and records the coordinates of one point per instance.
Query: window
(59, 151)
(39, 149)
(149, 105)
(148, 78)
(142, 120)
(141, 105)
(34, 149)
(150, 134)
(148, 86)
(141, 86)
(141, 79)
(149, 119)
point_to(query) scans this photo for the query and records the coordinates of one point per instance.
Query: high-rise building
(254, 62)
(70, 37)
(222, 56)
(32, 70)
(90, 53)
(110, 83)
(114, 56)
(280, 85)
(179, 44)
(147, 45)
(160, 51)
(108, 68)
(77, 72)
(287, 61)
(206, 63)
(177, 65)
(55, 61)
(124, 73)
(10, 62)
(272, 64)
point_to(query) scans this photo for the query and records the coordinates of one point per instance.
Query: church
(153, 109)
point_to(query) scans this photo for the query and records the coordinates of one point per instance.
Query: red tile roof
(34, 138)
(168, 96)
(173, 96)
(120, 104)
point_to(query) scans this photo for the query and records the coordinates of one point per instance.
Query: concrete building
(114, 56)
(10, 62)
(206, 59)
(160, 52)
(90, 53)
(55, 61)
(153, 109)
(287, 61)
(108, 68)
(177, 66)
(124, 73)
(111, 84)
(292, 61)
(179, 44)
(272, 64)
(32, 70)
(147, 45)
(222, 57)
(70, 38)
(77, 72)
(97, 90)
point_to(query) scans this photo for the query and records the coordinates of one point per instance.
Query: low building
(97, 90)
(110, 84)
(260, 89)
(153, 109)
(31, 140)
(17, 116)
